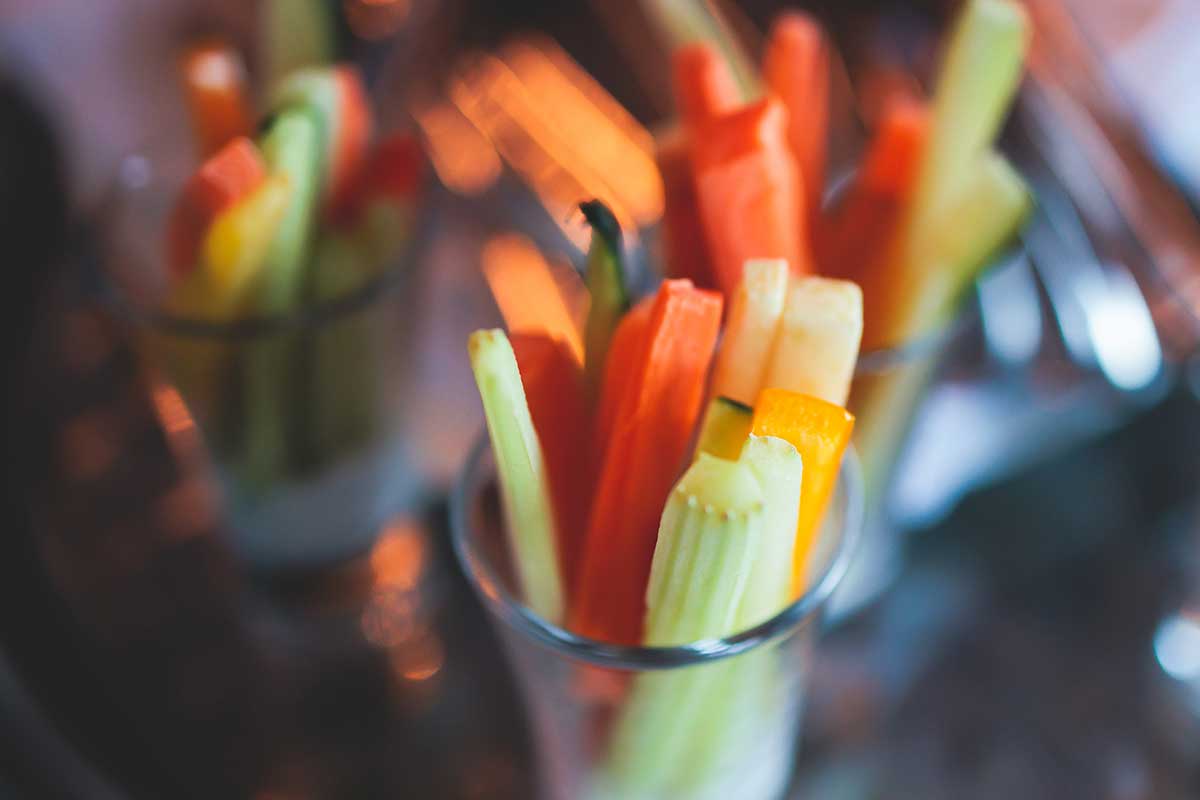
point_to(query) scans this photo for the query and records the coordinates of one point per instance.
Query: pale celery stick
(606, 287)
(295, 34)
(989, 208)
(738, 698)
(980, 73)
(726, 425)
(522, 473)
(711, 531)
(816, 346)
(777, 466)
(754, 317)
(291, 147)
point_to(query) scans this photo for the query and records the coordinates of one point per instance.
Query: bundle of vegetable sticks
(309, 210)
(606, 536)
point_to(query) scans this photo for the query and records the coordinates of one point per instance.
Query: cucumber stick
(726, 425)
(816, 346)
(753, 319)
(980, 74)
(523, 482)
(710, 535)
(295, 34)
(291, 148)
(606, 286)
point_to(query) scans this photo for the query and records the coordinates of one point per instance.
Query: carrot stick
(703, 85)
(215, 89)
(856, 235)
(622, 372)
(704, 88)
(748, 191)
(653, 426)
(796, 68)
(229, 175)
(554, 390)
(686, 251)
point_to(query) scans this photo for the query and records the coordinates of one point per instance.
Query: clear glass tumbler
(301, 412)
(714, 719)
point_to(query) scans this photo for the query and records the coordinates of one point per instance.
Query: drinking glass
(717, 718)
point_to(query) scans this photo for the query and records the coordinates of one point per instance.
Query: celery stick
(980, 74)
(606, 285)
(816, 347)
(522, 473)
(777, 466)
(291, 147)
(295, 34)
(987, 211)
(753, 320)
(726, 425)
(711, 532)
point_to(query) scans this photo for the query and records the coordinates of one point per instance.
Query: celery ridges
(522, 474)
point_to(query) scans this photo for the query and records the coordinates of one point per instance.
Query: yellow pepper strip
(820, 432)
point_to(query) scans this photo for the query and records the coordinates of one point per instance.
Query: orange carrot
(229, 175)
(856, 236)
(656, 409)
(553, 385)
(748, 191)
(796, 68)
(686, 252)
(217, 95)
(704, 86)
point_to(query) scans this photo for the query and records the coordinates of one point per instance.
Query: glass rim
(510, 611)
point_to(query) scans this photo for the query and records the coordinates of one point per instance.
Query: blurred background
(1040, 638)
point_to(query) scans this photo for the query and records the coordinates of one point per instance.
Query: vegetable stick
(295, 34)
(291, 147)
(856, 237)
(214, 87)
(748, 191)
(726, 425)
(816, 345)
(796, 68)
(233, 254)
(704, 87)
(337, 96)
(820, 431)
(228, 176)
(526, 292)
(980, 73)
(653, 426)
(606, 287)
(685, 249)
(779, 470)
(554, 390)
(754, 315)
(622, 373)
(710, 534)
(522, 472)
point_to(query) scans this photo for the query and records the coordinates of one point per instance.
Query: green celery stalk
(606, 286)
(979, 76)
(519, 464)
(710, 534)
(291, 147)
